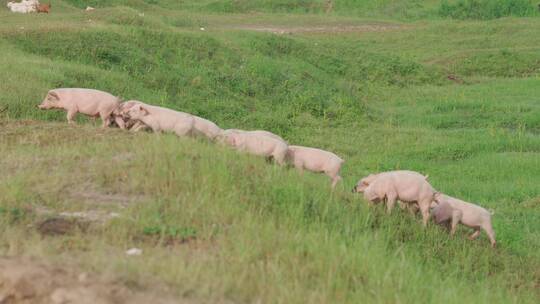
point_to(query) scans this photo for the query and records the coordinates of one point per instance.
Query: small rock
(134, 251)
(89, 8)
(83, 277)
(203, 29)
(60, 296)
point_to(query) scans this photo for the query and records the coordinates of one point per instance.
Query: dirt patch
(532, 203)
(60, 226)
(336, 29)
(91, 194)
(24, 281)
(88, 216)
(170, 241)
(96, 197)
(455, 79)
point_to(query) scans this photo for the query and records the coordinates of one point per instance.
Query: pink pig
(452, 211)
(407, 186)
(91, 102)
(262, 143)
(161, 119)
(316, 160)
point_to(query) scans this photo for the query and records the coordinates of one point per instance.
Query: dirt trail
(24, 281)
(321, 29)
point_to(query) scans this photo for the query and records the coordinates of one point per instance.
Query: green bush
(486, 9)
(502, 63)
(195, 72)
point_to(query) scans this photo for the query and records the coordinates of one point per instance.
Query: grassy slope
(381, 100)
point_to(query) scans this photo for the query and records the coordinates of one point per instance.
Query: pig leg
(390, 201)
(402, 205)
(475, 234)
(106, 119)
(120, 122)
(279, 157)
(298, 165)
(334, 175)
(138, 126)
(446, 225)
(456, 218)
(424, 209)
(335, 180)
(71, 115)
(413, 208)
(491, 234)
(182, 129)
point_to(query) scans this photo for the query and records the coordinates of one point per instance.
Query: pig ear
(54, 94)
(145, 111)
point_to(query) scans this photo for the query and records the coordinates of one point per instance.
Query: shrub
(486, 9)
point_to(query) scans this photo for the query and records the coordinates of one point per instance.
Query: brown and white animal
(91, 102)
(122, 120)
(450, 211)
(43, 8)
(161, 119)
(406, 186)
(25, 6)
(315, 160)
(262, 143)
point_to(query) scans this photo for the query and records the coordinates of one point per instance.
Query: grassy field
(415, 85)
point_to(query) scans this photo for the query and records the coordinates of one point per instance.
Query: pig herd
(409, 189)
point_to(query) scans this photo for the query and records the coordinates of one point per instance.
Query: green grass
(215, 226)
(482, 9)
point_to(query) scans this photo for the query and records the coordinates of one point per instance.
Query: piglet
(450, 211)
(262, 143)
(91, 102)
(316, 160)
(161, 119)
(401, 185)
(43, 8)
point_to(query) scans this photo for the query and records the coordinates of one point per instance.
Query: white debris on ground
(134, 251)
(93, 216)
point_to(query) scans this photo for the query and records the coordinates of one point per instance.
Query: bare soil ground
(24, 280)
(320, 29)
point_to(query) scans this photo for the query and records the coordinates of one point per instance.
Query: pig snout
(46, 104)
(354, 190)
